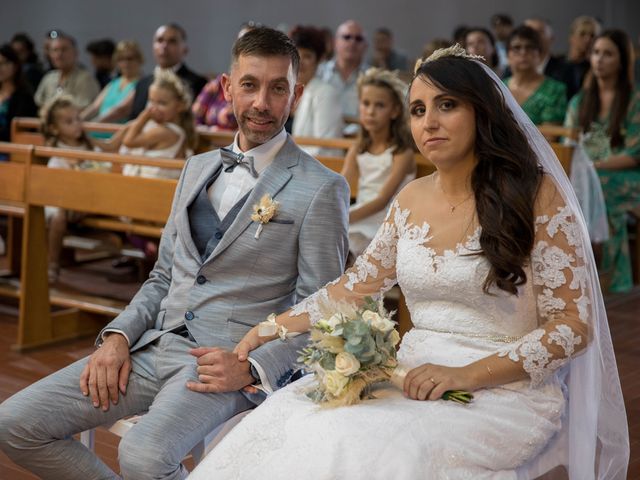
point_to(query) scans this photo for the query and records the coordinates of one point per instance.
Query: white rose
(335, 382)
(334, 321)
(383, 324)
(347, 364)
(394, 337)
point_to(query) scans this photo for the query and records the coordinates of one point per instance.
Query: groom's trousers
(36, 424)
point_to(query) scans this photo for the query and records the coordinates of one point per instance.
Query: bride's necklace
(453, 206)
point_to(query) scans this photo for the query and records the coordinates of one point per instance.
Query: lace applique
(383, 249)
(533, 354)
(311, 306)
(548, 305)
(565, 337)
(550, 266)
(537, 361)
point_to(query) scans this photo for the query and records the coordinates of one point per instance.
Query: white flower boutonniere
(263, 212)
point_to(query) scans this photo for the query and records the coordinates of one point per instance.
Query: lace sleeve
(372, 274)
(560, 285)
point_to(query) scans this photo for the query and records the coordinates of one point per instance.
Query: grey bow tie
(231, 160)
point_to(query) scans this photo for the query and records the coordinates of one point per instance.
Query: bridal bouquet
(353, 349)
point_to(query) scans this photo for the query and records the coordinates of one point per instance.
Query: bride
(493, 258)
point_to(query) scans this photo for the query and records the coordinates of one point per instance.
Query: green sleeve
(556, 103)
(632, 128)
(571, 117)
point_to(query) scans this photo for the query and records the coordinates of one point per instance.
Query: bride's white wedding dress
(455, 323)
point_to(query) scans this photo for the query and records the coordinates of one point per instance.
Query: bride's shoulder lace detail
(372, 274)
(559, 279)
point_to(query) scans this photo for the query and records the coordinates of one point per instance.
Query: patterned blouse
(547, 104)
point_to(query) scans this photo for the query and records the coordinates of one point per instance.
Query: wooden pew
(143, 199)
(12, 176)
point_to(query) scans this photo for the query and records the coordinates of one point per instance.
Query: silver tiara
(452, 51)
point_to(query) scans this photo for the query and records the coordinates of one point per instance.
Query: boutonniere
(263, 212)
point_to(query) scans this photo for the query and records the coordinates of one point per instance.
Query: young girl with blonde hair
(382, 160)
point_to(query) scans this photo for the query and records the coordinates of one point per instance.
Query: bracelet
(270, 327)
(489, 370)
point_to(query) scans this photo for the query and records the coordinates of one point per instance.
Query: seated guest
(550, 65)
(101, 53)
(62, 127)
(480, 41)
(318, 113)
(381, 161)
(67, 76)
(164, 129)
(31, 66)
(15, 98)
(607, 111)
(583, 30)
(502, 26)
(541, 97)
(384, 56)
(210, 108)
(112, 103)
(433, 45)
(347, 64)
(169, 50)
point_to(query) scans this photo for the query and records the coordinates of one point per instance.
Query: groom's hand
(219, 370)
(107, 372)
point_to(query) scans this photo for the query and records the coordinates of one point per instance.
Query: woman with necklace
(493, 257)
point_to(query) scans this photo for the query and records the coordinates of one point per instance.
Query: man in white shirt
(218, 274)
(342, 71)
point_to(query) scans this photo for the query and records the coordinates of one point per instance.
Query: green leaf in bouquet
(459, 396)
(328, 361)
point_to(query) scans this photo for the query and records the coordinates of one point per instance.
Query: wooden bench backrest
(12, 174)
(101, 193)
(564, 154)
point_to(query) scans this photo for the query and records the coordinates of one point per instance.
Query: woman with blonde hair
(113, 104)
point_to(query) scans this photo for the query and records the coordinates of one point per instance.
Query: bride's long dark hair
(506, 178)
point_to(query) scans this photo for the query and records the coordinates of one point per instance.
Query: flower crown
(452, 51)
(388, 77)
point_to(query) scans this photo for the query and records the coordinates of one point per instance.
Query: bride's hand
(249, 342)
(429, 381)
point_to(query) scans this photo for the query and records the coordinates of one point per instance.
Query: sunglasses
(356, 38)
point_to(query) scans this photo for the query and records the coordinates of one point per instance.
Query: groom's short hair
(266, 42)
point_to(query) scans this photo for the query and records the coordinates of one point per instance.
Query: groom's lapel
(271, 181)
(183, 225)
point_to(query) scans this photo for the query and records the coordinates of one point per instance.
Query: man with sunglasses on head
(348, 62)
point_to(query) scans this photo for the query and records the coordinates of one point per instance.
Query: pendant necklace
(452, 206)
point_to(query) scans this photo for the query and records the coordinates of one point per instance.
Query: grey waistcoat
(206, 227)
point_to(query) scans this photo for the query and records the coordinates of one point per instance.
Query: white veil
(594, 441)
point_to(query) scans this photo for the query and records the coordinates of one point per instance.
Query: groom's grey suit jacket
(245, 278)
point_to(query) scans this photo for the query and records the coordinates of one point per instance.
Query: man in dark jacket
(169, 50)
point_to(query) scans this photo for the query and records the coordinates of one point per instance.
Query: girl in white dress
(493, 257)
(382, 160)
(164, 129)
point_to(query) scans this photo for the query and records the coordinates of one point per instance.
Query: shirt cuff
(115, 330)
(265, 386)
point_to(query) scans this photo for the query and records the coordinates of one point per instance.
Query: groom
(219, 272)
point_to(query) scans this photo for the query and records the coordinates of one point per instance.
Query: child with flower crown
(382, 161)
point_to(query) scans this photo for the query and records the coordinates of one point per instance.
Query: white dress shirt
(230, 187)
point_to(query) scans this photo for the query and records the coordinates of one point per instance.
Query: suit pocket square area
(282, 221)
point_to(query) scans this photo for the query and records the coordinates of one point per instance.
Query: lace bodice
(540, 328)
